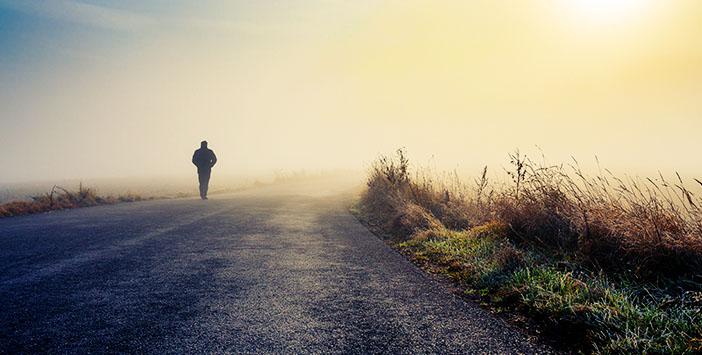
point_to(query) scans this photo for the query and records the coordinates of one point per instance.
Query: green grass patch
(592, 311)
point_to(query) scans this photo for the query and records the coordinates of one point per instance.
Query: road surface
(270, 270)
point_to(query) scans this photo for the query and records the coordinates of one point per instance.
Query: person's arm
(194, 155)
(213, 161)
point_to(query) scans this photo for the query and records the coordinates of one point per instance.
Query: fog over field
(96, 90)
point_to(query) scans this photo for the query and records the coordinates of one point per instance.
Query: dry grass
(59, 199)
(605, 264)
(646, 227)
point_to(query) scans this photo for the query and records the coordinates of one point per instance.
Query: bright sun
(608, 11)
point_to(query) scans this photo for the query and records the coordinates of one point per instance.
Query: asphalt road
(272, 270)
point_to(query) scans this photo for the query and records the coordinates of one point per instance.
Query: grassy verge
(526, 248)
(60, 199)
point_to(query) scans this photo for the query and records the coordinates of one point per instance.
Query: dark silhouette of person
(204, 158)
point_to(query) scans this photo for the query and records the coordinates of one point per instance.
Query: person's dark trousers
(204, 177)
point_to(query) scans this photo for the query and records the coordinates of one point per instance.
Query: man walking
(204, 158)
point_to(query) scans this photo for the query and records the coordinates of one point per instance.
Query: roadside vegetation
(60, 199)
(604, 264)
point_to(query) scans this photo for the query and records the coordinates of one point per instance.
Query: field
(608, 264)
(59, 198)
(30, 198)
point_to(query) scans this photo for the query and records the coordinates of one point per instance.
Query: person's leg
(204, 185)
(201, 180)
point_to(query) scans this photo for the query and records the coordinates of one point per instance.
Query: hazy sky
(129, 88)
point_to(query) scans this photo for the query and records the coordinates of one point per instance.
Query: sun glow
(608, 11)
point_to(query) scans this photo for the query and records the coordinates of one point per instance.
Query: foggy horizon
(99, 89)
